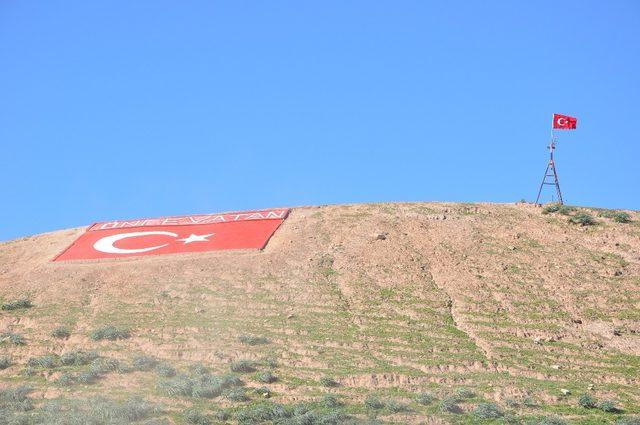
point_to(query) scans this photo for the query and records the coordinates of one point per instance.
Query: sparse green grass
(16, 304)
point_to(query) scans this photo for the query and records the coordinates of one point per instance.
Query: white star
(196, 238)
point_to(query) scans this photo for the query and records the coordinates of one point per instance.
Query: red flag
(564, 122)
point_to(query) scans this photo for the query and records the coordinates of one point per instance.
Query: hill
(406, 313)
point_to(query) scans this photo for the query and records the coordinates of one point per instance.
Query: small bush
(425, 399)
(87, 377)
(144, 363)
(266, 377)
(110, 333)
(243, 366)
(221, 415)
(549, 209)
(194, 417)
(198, 369)
(396, 407)
(16, 399)
(549, 420)
(327, 381)
(17, 304)
(5, 362)
(65, 380)
(78, 358)
(608, 406)
(621, 217)
(263, 392)
(237, 395)
(48, 361)
(330, 401)
(462, 394)
(270, 363)
(253, 340)
(373, 402)
(511, 402)
(165, 370)
(61, 333)
(617, 216)
(587, 401)
(265, 412)
(103, 365)
(583, 219)
(12, 338)
(629, 420)
(449, 405)
(487, 411)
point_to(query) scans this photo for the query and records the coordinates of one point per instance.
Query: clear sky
(128, 109)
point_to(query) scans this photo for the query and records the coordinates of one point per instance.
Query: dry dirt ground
(471, 303)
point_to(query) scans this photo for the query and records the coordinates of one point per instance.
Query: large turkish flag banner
(171, 235)
(564, 122)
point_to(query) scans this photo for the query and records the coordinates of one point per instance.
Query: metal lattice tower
(550, 174)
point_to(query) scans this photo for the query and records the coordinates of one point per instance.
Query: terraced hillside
(385, 313)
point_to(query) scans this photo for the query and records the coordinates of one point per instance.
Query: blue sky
(122, 109)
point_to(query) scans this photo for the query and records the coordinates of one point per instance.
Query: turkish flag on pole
(564, 122)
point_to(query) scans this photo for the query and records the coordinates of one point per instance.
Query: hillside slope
(471, 303)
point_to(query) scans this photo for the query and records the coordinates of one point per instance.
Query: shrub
(236, 394)
(5, 362)
(87, 377)
(263, 413)
(165, 370)
(487, 411)
(425, 399)
(12, 338)
(144, 363)
(252, 340)
(221, 415)
(330, 401)
(549, 209)
(511, 402)
(462, 394)
(608, 406)
(194, 417)
(203, 385)
(198, 369)
(327, 381)
(104, 365)
(243, 366)
(266, 377)
(61, 332)
(373, 402)
(17, 304)
(617, 216)
(549, 420)
(110, 333)
(65, 380)
(78, 358)
(583, 219)
(48, 361)
(263, 391)
(16, 399)
(449, 405)
(587, 401)
(629, 420)
(271, 363)
(396, 407)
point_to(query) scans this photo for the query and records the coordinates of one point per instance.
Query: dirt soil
(392, 299)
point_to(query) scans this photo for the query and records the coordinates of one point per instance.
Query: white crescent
(106, 244)
(561, 121)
